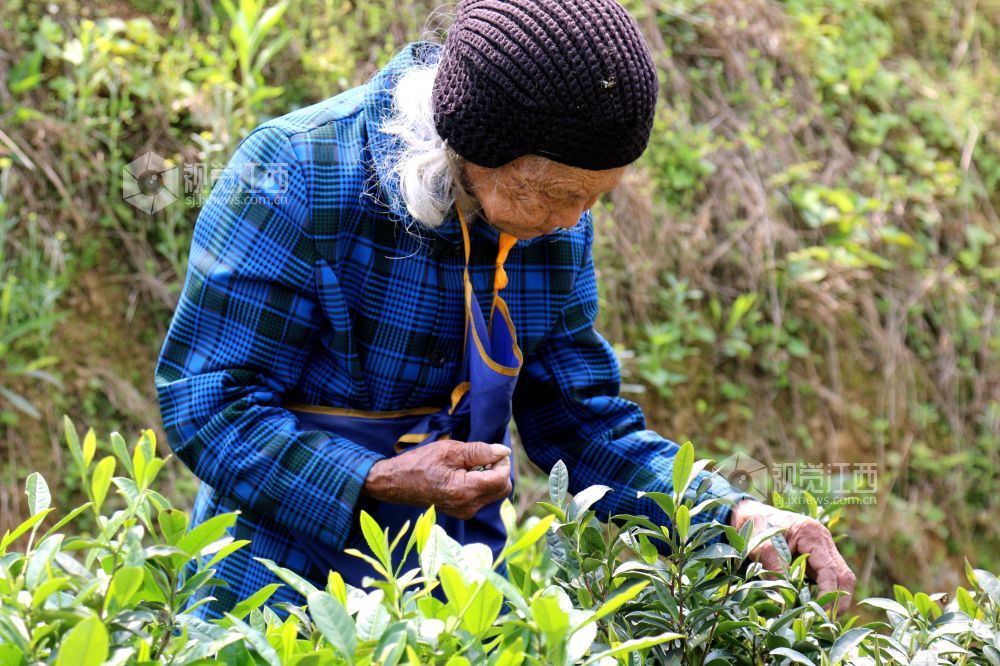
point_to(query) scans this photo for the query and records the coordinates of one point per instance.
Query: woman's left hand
(804, 535)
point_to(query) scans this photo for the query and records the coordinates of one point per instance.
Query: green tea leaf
(965, 601)
(333, 622)
(153, 468)
(73, 441)
(483, 610)
(513, 654)
(86, 644)
(794, 656)
(454, 587)
(617, 600)
(124, 585)
(226, 550)
(101, 480)
(634, 645)
(173, 523)
(811, 503)
(551, 508)
(886, 604)
(120, 449)
(205, 533)
(140, 456)
(536, 532)
(926, 606)
(89, 447)
(682, 522)
(989, 584)
(781, 547)
(846, 643)
(37, 569)
(683, 463)
(558, 483)
(255, 600)
(37, 490)
(391, 646)
(46, 590)
(550, 618)
(373, 617)
(19, 531)
(422, 528)
(256, 640)
(295, 581)
(586, 498)
(509, 590)
(903, 595)
(68, 518)
(664, 501)
(376, 539)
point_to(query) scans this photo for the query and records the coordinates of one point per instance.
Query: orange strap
(505, 244)
(500, 279)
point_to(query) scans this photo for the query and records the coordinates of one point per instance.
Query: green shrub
(578, 591)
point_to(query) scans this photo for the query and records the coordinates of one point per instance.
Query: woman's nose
(565, 218)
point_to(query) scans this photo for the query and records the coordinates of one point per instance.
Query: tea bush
(578, 591)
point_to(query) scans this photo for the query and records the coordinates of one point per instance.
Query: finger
(478, 454)
(826, 578)
(830, 570)
(769, 558)
(502, 465)
(846, 580)
(500, 451)
(490, 484)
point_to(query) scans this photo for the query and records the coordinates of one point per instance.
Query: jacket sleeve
(246, 322)
(567, 406)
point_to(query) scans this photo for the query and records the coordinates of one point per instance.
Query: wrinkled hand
(804, 535)
(458, 478)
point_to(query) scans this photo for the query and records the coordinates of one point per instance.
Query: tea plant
(705, 589)
(118, 594)
(576, 591)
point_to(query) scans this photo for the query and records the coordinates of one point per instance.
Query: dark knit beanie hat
(571, 80)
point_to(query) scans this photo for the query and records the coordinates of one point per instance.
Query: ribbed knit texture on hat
(572, 80)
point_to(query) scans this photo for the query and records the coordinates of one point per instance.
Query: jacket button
(438, 358)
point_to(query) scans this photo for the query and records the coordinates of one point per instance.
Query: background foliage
(803, 266)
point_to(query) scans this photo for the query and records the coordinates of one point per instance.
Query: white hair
(426, 170)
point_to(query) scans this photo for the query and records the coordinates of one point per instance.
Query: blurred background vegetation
(803, 266)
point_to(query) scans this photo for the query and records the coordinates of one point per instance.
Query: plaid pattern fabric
(308, 284)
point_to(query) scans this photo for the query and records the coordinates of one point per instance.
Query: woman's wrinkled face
(532, 195)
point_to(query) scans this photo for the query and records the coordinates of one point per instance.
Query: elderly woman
(382, 280)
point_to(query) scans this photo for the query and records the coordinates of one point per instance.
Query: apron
(480, 411)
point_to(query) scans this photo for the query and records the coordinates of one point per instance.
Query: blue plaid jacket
(308, 284)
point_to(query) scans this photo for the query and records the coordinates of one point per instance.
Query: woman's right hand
(443, 473)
